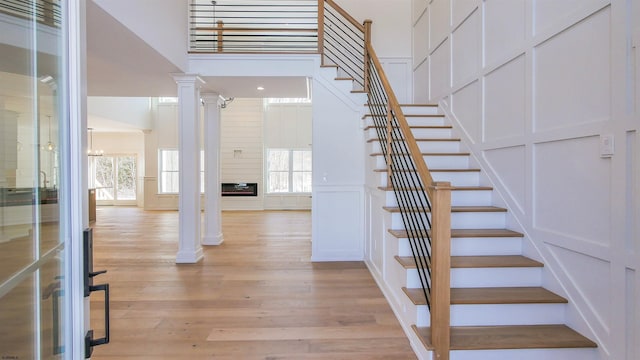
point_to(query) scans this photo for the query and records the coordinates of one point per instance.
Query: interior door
(33, 291)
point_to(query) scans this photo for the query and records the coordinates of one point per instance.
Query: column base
(212, 239)
(189, 257)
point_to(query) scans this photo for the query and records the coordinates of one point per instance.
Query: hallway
(257, 296)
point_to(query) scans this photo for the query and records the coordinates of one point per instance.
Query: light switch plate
(607, 147)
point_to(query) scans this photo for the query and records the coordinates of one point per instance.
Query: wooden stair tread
(418, 105)
(456, 209)
(434, 170)
(489, 261)
(468, 233)
(412, 116)
(329, 66)
(421, 139)
(453, 188)
(426, 154)
(493, 295)
(413, 127)
(344, 78)
(555, 336)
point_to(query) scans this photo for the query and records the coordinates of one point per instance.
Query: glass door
(33, 291)
(114, 178)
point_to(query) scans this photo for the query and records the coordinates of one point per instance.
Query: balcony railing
(266, 26)
(43, 11)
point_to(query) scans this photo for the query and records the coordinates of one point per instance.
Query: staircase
(498, 308)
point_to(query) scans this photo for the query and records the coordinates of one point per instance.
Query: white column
(189, 248)
(212, 202)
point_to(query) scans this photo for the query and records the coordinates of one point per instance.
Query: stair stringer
(380, 250)
(585, 319)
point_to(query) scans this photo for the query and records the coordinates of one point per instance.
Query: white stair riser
(464, 220)
(412, 121)
(486, 246)
(507, 314)
(473, 246)
(485, 277)
(502, 314)
(525, 354)
(344, 85)
(496, 277)
(464, 178)
(447, 162)
(435, 162)
(460, 198)
(428, 146)
(418, 133)
(420, 110)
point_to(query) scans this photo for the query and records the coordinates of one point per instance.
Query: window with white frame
(169, 171)
(288, 171)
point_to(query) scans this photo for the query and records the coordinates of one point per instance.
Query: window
(288, 171)
(169, 171)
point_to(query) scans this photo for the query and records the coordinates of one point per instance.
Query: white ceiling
(119, 63)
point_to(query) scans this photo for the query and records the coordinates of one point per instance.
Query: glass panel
(301, 160)
(17, 321)
(302, 181)
(19, 146)
(170, 182)
(104, 178)
(278, 160)
(51, 310)
(126, 178)
(32, 103)
(278, 181)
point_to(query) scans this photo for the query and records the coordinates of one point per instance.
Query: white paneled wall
(287, 126)
(241, 151)
(533, 86)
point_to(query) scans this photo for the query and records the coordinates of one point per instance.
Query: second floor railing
(245, 26)
(45, 12)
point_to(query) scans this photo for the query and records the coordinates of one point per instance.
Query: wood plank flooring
(256, 296)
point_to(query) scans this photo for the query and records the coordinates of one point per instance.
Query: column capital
(182, 78)
(210, 97)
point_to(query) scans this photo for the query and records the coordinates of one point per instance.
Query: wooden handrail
(345, 14)
(414, 150)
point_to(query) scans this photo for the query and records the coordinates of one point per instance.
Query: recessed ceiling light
(260, 88)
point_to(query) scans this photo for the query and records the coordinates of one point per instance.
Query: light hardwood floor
(256, 296)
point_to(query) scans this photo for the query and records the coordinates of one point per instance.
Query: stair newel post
(220, 35)
(389, 152)
(321, 30)
(441, 269)
(367, 43)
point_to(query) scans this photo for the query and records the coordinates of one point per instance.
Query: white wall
(338, 174)
(162, 24)
(533, 85)
(109, 113)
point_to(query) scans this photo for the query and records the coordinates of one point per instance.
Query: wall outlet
(607, 147)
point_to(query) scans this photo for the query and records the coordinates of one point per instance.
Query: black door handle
(89, 341)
